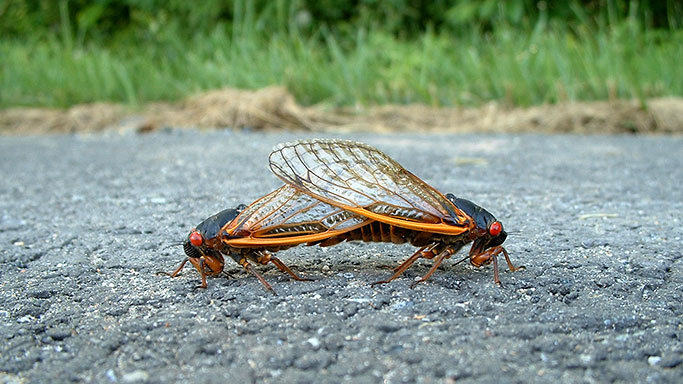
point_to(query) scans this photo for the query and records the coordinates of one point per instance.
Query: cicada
(282, 219)
(360, 179)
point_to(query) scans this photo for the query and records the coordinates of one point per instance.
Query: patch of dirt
(267, 108)
(275, 108)
(80, 118)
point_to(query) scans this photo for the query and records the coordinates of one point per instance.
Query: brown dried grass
(274, 108)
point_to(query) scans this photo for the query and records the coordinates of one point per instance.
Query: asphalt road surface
(87, 221)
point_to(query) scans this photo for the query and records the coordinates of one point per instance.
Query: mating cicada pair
(338, 190)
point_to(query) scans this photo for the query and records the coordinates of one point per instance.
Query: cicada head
(202, 245)
(488, 232)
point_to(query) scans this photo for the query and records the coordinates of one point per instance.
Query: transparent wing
(361, 179)
(288, 216)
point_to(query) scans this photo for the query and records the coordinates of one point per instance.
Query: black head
(489, 231)
(196, 242)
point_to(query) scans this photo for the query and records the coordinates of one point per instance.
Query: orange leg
(284, 268)
(400, 266)
(202, 272)
(510, 266)
(427, 252)
(251, 270)
(180, 268)
(406, 264)
(491, 254)
(202, 267)
(267, 257)
(177, 271)
(445, 254)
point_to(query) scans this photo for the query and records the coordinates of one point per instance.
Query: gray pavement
(87, 221)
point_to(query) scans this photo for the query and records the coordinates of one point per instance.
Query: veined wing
(287, 216)
(361, 179)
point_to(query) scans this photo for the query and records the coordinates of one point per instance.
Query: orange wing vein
(361, 179)
(287, 216)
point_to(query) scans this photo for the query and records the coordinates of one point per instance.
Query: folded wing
(287, 216)
(363, 180)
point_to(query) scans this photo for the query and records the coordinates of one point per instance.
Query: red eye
(196, 239)
(495, 228)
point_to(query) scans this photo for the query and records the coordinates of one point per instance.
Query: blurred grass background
(58, 53)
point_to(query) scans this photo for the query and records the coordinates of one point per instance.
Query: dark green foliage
(110, 19)
(519, 52)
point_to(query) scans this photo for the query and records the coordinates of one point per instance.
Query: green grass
(371, 67)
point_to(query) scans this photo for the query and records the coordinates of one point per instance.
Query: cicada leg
(177, 271)
(245, 263)
(445, 254)
(491, 255)
(507, 259)
(424, 252)
(267, 257)
(201, 267)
